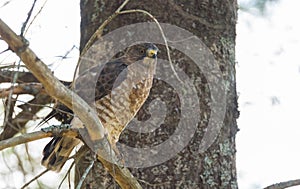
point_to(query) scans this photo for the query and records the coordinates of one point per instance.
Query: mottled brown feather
(121, 89)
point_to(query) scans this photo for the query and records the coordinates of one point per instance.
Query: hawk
(122, 87)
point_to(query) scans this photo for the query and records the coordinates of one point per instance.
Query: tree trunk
(213, 22)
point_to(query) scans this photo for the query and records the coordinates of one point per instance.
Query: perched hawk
(122, 87)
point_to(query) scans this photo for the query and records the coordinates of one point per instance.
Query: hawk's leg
(57, 130)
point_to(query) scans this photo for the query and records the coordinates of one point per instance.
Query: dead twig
(10, 104)
(283, 185)
(27, 19)
(35, 16)
(35, 178)
(23, 77)
(68, 173)
(24, 138)
(8, 112)
(60, 130)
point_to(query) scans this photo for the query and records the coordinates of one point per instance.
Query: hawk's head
(140, 51)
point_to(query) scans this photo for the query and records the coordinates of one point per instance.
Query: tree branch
(23, 77)
(283, 185)
(24, 88)
(28, 137)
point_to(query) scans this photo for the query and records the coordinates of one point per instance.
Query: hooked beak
(152, 53)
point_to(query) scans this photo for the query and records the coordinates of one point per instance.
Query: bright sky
(267, 76)
(268, 68)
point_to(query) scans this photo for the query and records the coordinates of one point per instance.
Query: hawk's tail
(57, 152)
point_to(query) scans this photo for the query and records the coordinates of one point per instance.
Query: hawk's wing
(100, 80)
(86, 86)
(57, 151)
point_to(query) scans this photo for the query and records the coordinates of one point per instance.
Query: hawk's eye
(142, 51)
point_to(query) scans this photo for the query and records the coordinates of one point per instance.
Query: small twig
(9, 98)
(28, 137)
(35, 16)
(42, 106)
(283, 185)
(29, 158)
(67, 53)
(9, 110)
(19, 161)
(23, 77)
(27, 19)
(68, 172)
(60, 130)
(69, 179)
(35, 178)
(5, 3)
(85, 173)
(98, 33)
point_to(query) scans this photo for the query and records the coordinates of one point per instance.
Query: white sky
(268, 67)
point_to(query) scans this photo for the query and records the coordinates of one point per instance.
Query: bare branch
(35, 178)
(25, 88)
(23, 139)
(283, 185)
(35, 16)
(54, 130)
(8, 112)
(23, 77)
(27, 19)
(10, 105)
(68, 173)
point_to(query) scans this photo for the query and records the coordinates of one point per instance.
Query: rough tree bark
(214, 23)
